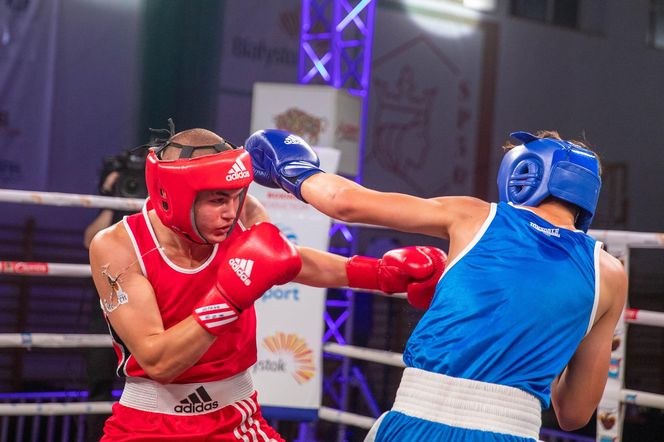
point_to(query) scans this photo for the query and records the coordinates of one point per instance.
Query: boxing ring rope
(56, 408)
(31, 268)
(616, 240)
(70, 200)
(52, 340)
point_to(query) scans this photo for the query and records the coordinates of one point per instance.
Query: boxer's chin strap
(243, 197)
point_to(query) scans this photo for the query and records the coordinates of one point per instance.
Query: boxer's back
(513, 306)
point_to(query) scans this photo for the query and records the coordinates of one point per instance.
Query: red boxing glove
(408, 269)
(255, 261)
(420, 293)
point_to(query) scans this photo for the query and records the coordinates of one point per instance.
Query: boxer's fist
(256, 260)
(414, 270)
(281, 159)
(420, 293)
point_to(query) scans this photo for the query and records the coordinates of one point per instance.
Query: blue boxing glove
(281, 159)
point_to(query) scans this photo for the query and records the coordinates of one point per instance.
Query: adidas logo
(242, 268)
(238, 171)
(197, 402)
(293, 139)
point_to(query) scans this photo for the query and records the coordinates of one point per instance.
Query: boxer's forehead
(229, 193)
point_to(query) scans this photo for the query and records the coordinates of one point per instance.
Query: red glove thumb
(421, 293)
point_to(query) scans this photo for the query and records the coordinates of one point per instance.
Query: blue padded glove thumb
(261, 160)
(281, 159)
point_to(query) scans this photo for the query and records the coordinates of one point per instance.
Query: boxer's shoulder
(112, 244)
(466, 213)
(613, 282)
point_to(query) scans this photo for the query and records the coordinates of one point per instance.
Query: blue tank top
(512, 308)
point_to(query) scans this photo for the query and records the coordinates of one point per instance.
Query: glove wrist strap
(294, 176)
(362, 272)
(214, 311)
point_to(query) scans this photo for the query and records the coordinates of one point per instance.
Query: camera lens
(132, 185)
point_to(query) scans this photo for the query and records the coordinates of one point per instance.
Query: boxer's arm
(281, 159)
(577, 392)
(414, 270)
(103, 220)
(163, 354)
(346, 200)
(322, 269)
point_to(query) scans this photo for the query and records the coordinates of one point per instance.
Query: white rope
(626, 238)
(640, 239)
(56, 408)
(640, 398)
(31, 268)
(77, 408)
(644, 317)
(643, 399)
(366, 354)
(344, 417)
(51, 340)
(70, 200)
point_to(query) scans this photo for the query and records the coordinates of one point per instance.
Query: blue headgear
(543, 167)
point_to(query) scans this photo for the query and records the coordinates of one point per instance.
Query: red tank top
(177, 290)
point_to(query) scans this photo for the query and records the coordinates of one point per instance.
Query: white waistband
(465, 403)
(185, 399)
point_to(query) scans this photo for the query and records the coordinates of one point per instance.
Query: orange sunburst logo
(293, 347)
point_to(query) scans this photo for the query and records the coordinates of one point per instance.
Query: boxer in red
(177, 283)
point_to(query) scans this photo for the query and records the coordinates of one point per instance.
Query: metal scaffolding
(335, 49)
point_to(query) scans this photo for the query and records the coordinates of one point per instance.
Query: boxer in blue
(525, 311)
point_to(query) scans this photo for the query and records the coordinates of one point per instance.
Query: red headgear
(173, 185)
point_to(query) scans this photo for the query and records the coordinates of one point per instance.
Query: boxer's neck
(180, 250)
(557, 212)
